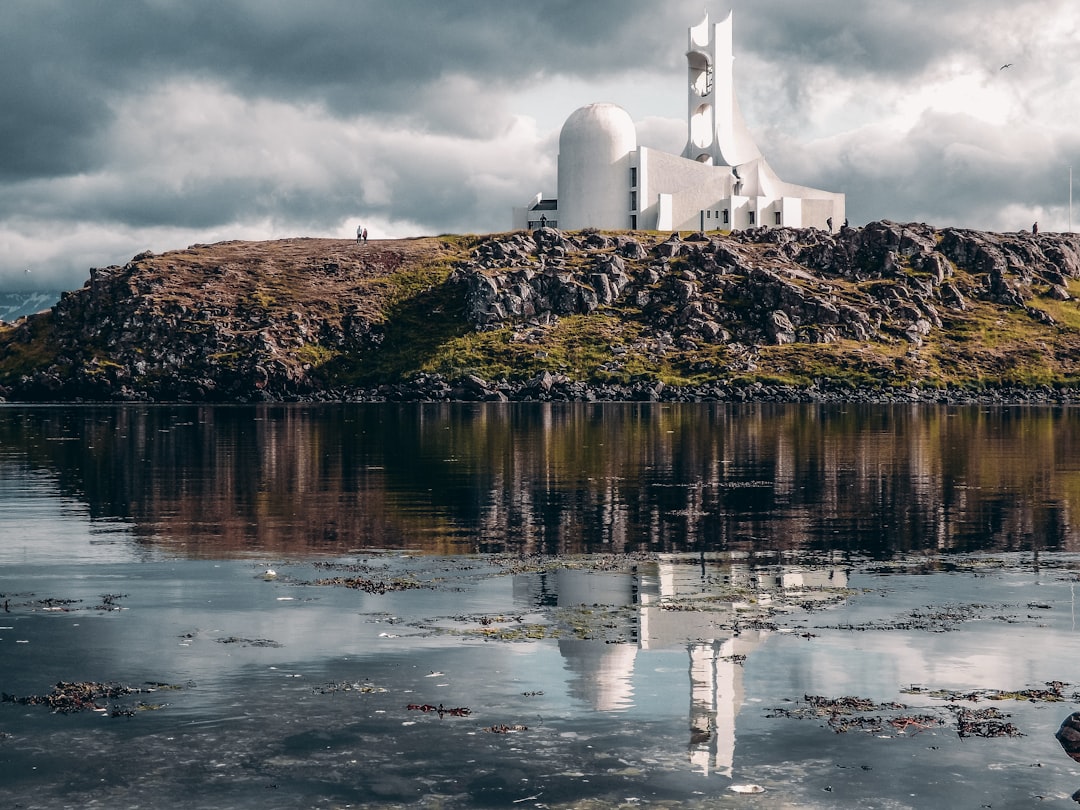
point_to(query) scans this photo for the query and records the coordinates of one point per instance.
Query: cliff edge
(884, 311)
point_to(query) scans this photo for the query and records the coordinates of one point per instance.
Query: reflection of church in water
(602, 673)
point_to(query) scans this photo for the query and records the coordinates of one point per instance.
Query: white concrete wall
(692, 186)
(791, 215)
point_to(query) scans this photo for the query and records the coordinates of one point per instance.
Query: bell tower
(716, 132)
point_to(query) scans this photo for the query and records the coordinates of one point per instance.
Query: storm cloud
(152, 124)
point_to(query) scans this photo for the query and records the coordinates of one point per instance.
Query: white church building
(720, 182)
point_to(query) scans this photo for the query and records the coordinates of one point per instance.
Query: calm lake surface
(538, 606)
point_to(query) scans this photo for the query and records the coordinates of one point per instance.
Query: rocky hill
(886, 311)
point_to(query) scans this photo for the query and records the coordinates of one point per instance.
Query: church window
(726, 219)
(633, 201)
(633, 177)
(751, 217)
(777, 217)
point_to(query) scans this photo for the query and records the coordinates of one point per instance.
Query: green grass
(315, 354)
(423, 314)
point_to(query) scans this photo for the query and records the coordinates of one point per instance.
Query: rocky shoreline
(884, 313)
(549, 388)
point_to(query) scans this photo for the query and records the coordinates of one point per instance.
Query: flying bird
(1006, 65)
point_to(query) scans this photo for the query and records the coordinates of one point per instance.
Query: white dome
(599, 128)
(595, 148)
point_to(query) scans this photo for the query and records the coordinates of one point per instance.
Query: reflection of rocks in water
(603, 673)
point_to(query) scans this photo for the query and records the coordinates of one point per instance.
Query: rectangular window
(633, 201)
(725, 216)
(708, 215)
(751, 217)
(633, 177)
(777, 217)
(633, 222)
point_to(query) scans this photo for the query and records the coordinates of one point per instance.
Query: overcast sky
(129, 125)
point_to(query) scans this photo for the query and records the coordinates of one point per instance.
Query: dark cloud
(900, 39)
(130, 122)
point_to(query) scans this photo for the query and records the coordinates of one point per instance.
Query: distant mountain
(16, 304)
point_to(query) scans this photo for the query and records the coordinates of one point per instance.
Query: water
(637, 605)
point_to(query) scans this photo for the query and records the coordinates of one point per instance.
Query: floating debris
(53, 605)
(746, 788)
(934, 618)
(1053, 693)
(348, 686)
(440, 710)
(69, 697)
(858, 714)
(847, 705)
(987, 723)
(108, 602)
(372, 586)
(249, 642)
(504, 729)
(854, 713)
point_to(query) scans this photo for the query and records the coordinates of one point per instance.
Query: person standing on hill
(359, 233)
(364, 235)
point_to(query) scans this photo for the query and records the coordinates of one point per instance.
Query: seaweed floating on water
(935, 618)
(987, 722)
(69, 697)
(1053, 693)
(51, 604)
(334, 687)
(108, 602)
(851, 713)
(855, 713)
(842, 714)
(55, 604)
(249, 642)
(440, 710)
(372, 586)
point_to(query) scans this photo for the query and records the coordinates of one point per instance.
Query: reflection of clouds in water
(39, 524)
(895, 646)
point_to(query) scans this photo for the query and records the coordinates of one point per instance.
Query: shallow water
(628, 676)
